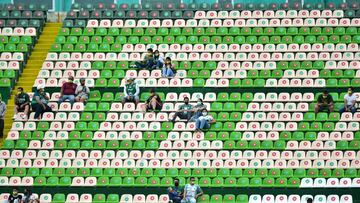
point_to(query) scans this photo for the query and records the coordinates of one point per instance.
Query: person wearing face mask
(15, 197)
(39, 102)
(67, 91)
(191, 192)
(324, 102)
(175, 192)
(29, 197)
(184, 112)
(204, 121)
(2, 116)
(349, 102)
(22, 103)
(82, 92)
(158, 60)
(168, 69)
(197, 110)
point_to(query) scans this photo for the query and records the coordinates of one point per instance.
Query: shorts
(323, 107)
(157, 108)
(82, 96)
(22, 109)
(132, 99)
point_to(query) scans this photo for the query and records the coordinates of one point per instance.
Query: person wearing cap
(131, 92)
(82, 92)
(39, 102)
(68, 91)
(2, 116)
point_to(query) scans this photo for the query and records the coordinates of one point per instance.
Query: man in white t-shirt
(191, 192)
(349, 102)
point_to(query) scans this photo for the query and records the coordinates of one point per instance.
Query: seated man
(204, 121)
(22, 103)
(175, 192)
(324, 102)
(82, 92)
(191, 192)
(131, 92)
(153, 103)
(68, 91)
(184, 112)
(39, 102)
(349, 102)
(148, 61)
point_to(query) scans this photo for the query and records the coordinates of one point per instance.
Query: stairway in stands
(32, 68)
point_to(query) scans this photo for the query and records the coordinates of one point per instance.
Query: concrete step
(53, 25)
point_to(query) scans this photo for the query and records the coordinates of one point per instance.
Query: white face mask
(204, 113)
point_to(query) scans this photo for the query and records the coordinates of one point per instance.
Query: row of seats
(76, 61)
(216, 198)
(97, 72)
(176, 14)
(17, 14)
(18, 31)
(280, 31)
(208, 44)
(21, 23)
(174, 172)
(186, 135)
(218, 182)
(216, 23)
(214, 6)
(176, 154)
(177, 82)
(112, 143)
(241, 74)
(21, 7)
(317, 47)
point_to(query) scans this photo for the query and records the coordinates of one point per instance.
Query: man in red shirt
(68, 91)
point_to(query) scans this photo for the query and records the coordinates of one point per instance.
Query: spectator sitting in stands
(40, 101)
(22, 103)
(82, 92)
(175, 192)
(197, 110)
(148, 61)
(349, 102)
(204, 121)
(68, 91)
(29, 197)
(191, 192)
(324, 102)
(15, 197)
(131, 92)
(184, 112)
(153, 102)
(158, 60)
(168, 69)
(2, 116)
